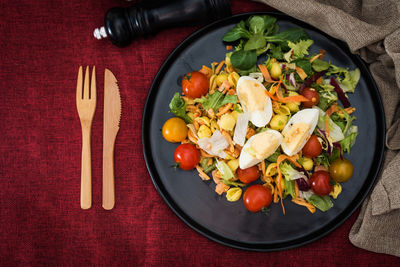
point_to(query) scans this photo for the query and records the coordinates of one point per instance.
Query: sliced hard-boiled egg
(254, 100)
(259, 147)
(298, 130)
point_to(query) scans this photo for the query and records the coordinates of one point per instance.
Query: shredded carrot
(263, 168)
(332, 109)
(202, 174)
(319, 81)
(296, 189)
(225, 86)
(206, 71)
(314, 58)
(301, 73)
(219, 67)
(270, 95)
(276, 197)
(350, 110)
(294, 98)
(327, 124)
(205, 154)
(274, 89)
(280, 159)
(229, 47)
(322, 52)
(302, 202)
(265, 73)
(221, 188)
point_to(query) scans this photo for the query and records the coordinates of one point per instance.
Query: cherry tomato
(174, 130)
(256, 197)
(311, 94)
(195, 84)
(248, 175)
(341, 170)
(319, 182)
(187, 155)
(312, 148)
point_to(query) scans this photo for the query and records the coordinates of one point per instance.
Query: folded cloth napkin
(371, 28)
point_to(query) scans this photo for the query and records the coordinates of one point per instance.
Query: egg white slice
(251, 155)
(256, 97)
(298, 130)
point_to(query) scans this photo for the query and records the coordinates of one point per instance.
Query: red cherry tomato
(187, 156)
(311, 94)
(312, 148)
(319, 182)
(248, 175)
(256, 197)
(195, 84)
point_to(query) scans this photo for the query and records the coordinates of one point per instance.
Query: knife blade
(112, 116)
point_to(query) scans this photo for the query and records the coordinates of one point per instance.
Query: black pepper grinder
(123, 25)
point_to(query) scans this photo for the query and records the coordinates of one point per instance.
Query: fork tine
(93, 84)
(79, 84)
(86, 84)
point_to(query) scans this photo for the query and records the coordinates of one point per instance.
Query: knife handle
(108, 173)
(86, 170)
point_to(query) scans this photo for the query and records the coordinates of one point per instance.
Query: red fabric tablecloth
(42, 44)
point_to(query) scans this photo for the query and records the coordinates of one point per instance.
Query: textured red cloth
(42, 44)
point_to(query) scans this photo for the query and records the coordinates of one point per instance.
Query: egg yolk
(264, 145)
(252, 95)
(295, 136)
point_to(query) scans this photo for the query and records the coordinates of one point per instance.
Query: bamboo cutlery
(86, 99)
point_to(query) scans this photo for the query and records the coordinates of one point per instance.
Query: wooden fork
(86, 105)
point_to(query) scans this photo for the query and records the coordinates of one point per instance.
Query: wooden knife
(112, 116)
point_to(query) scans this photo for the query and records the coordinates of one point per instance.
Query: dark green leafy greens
(178, 107)
(323, 203)
(258, 35)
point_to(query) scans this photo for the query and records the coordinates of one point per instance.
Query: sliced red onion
(292, 80)
(342, 97)
(284, 87)
(312, 79)
(329, 147)
(338, 146)
(302, 184)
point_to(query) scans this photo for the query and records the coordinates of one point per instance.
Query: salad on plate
(270, 121)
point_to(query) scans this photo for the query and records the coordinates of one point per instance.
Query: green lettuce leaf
(351, 78)
(289, 189)
(216, 100)
(224, 169)
(204, 165)
(300, 49)
(320, 65)
(178, 107)
(323, 203)
(350, 139)
(237, 32)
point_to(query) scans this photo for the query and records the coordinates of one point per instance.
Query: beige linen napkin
(371, 28)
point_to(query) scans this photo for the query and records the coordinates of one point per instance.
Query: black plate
(194, 200)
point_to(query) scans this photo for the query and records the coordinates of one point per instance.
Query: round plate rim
(337, 221)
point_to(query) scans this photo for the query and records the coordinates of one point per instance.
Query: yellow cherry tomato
(174, 130)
